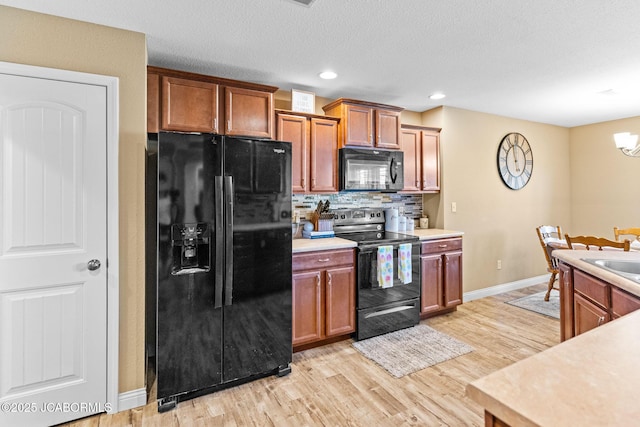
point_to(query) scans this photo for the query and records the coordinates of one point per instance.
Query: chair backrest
(547, 234)
(591, 242)
(634, 231)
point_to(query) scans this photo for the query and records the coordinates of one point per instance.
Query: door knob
(93, 265)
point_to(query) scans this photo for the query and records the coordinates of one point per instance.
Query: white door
(53, 222)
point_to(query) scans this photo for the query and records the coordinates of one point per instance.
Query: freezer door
(189, 327)
(257, 311)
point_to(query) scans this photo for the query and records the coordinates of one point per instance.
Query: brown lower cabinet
(441, 271)
(587, 302)
(324, 295)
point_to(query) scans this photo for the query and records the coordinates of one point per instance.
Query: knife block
(322, 222)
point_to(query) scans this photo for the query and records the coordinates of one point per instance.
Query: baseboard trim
(505, 287)
(132, 399)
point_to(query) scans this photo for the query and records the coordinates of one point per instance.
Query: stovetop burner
(366, 227)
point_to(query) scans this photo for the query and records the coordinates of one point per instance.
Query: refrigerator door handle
(219, 249)
(228, 221)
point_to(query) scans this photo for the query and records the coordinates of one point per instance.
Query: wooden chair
(634, 231)
(596, 242)
(548, 234)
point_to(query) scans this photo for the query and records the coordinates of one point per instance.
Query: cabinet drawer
(622, 302)
(442, 245)
(322, 259)
(592, 288)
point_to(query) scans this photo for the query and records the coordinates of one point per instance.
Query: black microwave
(371, 170)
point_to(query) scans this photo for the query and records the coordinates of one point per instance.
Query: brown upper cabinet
(366, 124)
(421, 148)
(189, 105)
(314, 148)
(248, 112)
(153, 102)
(189, 102)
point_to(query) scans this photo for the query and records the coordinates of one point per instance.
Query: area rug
(409, 350)
(536, 303)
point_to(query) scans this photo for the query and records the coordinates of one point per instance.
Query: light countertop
(328, 243)
(308, 245)
(590, 380)
(574, 258)
(432, 233)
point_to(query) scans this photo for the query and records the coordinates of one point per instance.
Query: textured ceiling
(563, 62)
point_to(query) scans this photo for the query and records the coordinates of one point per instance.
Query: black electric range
(380, 308)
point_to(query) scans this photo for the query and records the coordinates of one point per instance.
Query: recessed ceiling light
(328, 75)
(437, 96)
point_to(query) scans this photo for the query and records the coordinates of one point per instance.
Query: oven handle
(389, 311)
(370, 248)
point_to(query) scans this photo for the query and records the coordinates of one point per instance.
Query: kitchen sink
(625, 268)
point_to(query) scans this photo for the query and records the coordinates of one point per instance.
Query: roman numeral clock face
(515, 161)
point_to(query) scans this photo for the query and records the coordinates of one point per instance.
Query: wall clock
(515, 160)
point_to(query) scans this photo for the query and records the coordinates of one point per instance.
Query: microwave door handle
(393, 170)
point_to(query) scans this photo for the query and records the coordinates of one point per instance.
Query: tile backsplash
(408, 204)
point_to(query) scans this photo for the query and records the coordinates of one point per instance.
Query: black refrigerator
(223, 307)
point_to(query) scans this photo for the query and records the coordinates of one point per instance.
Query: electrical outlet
(454, 207)
(499, 266)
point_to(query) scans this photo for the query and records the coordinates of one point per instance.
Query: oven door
(371, 293)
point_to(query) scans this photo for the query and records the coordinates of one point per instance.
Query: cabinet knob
(442, 246)
(600, 320)
(228, 124)
(324, 260)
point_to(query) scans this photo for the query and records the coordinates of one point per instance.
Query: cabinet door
(388, 129)
(153, 103)
(307, 309)
(566, 302)
(189, 106)
(412, 149)
(452, 279)
(430, 161)
(358, 122)
(295, 130)
(431, 291)
(324, 156)
(622, 302)
(340, 294)
(591, 287)
(587, 315)
(248, 113)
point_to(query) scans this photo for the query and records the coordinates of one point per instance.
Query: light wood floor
(335, 385)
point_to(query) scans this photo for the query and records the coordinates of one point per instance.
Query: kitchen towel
(385, 266)
(404, 263)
